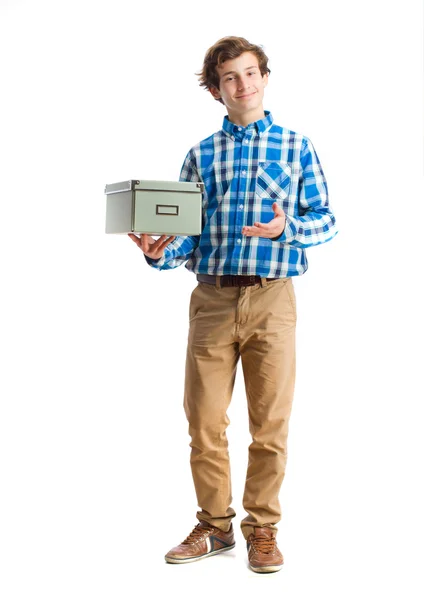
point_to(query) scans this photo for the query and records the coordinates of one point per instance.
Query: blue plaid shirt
(244, 171)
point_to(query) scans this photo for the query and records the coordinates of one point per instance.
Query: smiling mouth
(247, 95)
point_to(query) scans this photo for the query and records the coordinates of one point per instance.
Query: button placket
(241, 215)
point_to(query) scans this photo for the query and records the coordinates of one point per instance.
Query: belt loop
(218, 282)
(263, 282)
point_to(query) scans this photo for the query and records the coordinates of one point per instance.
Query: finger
(164, 242)
(148, 240)
(135, 239)
(159, 243)
(251, 230)
(270, 225)
(256, 227)
(142, 242)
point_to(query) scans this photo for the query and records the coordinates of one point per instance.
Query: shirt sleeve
(316, 223)
(179, 250)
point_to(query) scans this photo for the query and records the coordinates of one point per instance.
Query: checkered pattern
(245, 170)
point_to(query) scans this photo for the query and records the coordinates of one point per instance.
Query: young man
(265, 201)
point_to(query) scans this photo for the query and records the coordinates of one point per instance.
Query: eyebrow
(230, 72)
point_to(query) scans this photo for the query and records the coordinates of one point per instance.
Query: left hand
(274, 228)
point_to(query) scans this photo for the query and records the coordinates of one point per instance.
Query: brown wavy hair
(224, 49)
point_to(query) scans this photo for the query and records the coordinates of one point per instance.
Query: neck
(244, 119)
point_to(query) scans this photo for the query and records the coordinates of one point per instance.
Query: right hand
(151, 247)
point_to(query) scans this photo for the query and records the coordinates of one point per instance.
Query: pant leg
(211, 364)
(267, 348)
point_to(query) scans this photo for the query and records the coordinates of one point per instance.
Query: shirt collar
(261, 125)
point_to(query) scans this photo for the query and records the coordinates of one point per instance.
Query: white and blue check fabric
(244, 171)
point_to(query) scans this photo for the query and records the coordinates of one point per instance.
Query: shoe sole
(169, 559)
(269, 569)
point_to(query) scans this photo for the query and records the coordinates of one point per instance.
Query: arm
(178, 251)
(316, 223)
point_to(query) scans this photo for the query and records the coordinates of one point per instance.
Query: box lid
(154, 185)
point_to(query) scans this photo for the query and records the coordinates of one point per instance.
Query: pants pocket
(291, 295)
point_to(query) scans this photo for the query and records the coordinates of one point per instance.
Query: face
(241, 87)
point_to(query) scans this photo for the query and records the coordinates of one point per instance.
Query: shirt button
(243, 172)
(239, 241)
(232, 137)
(241, 205)
(239, 128)
(246, 141)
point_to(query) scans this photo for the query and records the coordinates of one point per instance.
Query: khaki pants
(258, 323)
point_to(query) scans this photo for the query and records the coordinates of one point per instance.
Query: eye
(249, 73)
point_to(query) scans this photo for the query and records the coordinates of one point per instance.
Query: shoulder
(290, 136)
(201, 154)
(207, 142)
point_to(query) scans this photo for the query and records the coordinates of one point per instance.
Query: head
(235, 72)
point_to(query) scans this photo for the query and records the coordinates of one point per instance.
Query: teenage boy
(265, 200)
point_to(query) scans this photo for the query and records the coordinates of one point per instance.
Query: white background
(95, 479)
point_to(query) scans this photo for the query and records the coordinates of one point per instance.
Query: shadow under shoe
(205, 540)
(263, 553)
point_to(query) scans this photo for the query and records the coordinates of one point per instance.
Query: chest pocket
(273, 180)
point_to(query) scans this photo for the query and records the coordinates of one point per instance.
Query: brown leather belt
(232, 280)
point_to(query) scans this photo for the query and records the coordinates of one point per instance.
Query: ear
(265, 79)
(215, 92)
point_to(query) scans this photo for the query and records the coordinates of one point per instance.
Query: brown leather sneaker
(205, 540)
(263, 553)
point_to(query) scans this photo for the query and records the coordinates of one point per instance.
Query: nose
(243, 84)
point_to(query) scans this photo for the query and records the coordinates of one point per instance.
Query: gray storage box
(154, 207)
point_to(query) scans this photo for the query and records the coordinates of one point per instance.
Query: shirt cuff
(157, 263)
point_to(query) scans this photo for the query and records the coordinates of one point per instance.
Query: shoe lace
(265, 545)
(197, 533)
